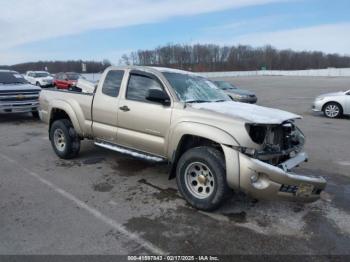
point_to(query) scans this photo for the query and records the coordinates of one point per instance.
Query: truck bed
(76, 103)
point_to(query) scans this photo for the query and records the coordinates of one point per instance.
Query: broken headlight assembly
(277, 142)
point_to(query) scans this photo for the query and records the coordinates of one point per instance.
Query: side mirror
(158, 96)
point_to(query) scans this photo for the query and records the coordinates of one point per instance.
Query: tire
(35, 114)
(333, 110)
(37, 84)
(64, 139)
(189, 177)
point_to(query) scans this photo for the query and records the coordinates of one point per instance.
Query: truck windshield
(11, 78)
(194, 89)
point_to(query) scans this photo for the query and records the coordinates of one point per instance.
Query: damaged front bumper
(262, 180)
(265, 181)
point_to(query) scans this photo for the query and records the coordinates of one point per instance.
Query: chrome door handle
(124, 108)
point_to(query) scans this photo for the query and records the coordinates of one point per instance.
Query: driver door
(143, 125)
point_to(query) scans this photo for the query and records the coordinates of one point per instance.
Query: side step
(130, 152)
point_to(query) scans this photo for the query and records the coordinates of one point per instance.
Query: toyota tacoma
(213, 145)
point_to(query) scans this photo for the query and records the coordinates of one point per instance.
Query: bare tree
(209, 57)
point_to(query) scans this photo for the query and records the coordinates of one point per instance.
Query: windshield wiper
(221, 100)
(197, 101)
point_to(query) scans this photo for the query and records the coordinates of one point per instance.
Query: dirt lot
(107, 203)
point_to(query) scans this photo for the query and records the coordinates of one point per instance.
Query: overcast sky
(32, 30)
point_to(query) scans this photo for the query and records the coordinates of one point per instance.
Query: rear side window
(112, 83)
(139, 85)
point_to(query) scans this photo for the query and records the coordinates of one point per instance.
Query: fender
(66, 107)
(208, 132)
(198, 129)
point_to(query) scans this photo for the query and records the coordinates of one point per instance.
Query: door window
(139, 85)
(112, 83)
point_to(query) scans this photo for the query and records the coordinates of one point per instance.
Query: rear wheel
(332, 110)
(201, 177)
(64, 139)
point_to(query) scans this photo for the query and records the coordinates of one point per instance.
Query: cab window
(112, 83)
(139, 85)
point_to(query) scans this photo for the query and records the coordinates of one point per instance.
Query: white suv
(39, 78)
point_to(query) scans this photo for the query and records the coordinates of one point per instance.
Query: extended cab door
(105, 106)
(143, 125)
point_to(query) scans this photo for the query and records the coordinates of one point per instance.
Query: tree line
(210, 57)
(61, 66)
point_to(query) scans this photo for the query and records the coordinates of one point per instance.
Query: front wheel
(64, 139)
(332, 110)
(201, 178)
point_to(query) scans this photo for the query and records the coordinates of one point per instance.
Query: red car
(66, 80)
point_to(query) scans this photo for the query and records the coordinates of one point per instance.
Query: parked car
(39, 78)
(17, 95)
(333, 105)
(66, 80)
(237, 94)
(212, 143)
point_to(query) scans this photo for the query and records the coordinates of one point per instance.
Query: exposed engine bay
(278, 142)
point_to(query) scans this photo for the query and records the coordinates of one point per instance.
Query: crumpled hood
(14, 87)
(248, 112)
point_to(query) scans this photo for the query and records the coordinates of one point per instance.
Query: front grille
(19, 96)
(252, 96)
(14, 92)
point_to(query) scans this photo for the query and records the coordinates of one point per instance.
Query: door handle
(124, 108)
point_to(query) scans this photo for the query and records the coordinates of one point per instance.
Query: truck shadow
(17, 119)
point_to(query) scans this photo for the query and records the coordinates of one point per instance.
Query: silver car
(235, 93)
(333, 105)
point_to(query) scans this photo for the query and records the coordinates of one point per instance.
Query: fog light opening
(254, 178)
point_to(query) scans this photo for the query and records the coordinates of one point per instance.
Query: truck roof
(154, 68)
(37, 72)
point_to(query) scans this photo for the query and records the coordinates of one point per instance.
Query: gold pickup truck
(212, 144)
